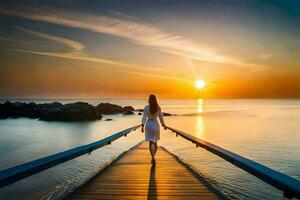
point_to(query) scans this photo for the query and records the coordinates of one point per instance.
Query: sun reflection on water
(200, 127)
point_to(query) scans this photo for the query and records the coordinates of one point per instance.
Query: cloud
(126, 27)
(11, 40)
(82, 57)
(75, 46)
(75, 52)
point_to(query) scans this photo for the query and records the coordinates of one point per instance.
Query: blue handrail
(14, 174)
(287, 184)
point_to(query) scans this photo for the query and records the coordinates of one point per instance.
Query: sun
(200, 84)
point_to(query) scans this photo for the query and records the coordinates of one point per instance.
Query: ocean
(264, 130)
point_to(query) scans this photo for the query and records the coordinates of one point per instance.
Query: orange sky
(125, 50)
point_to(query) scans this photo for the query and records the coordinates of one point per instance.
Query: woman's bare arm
(144, 118)
(161, 119)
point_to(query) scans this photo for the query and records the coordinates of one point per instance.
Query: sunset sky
(128, 49)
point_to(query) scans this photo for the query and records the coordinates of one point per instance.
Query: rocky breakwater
(78, 111)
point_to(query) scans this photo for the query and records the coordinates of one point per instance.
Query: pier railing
(287, 184)
(14, 174)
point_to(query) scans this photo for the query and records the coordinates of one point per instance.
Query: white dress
(152, 131)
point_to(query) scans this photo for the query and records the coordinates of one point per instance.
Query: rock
(139, 110)
(32, 104)
(128, 112)
(45, 107)
(139, 113)
(108, 119)
(108, 109)
(17, 109)
(128, 108)
(166, 114)
(78, 111)
(3, 111)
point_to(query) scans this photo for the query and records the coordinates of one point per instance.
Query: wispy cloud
(155, 72)
(75, 46)
(75, 52)
(11, 40)
(128, 28)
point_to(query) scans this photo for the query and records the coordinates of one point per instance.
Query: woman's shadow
(152, 192)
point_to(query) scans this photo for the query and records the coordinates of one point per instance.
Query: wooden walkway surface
(133, 177)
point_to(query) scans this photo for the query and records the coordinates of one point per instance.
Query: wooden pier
(133, 177)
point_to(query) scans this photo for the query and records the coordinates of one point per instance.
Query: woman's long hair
(153, 105)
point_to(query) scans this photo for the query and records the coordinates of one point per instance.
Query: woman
(149, 120)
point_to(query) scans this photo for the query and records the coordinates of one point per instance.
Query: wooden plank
(133, 177)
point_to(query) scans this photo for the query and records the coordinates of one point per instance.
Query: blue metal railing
(14, 174)
(287, 184)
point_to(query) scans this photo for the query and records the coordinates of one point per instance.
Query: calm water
(266, 131)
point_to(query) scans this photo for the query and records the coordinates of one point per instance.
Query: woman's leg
(152, 152)
(155, 148)
(152, 149)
